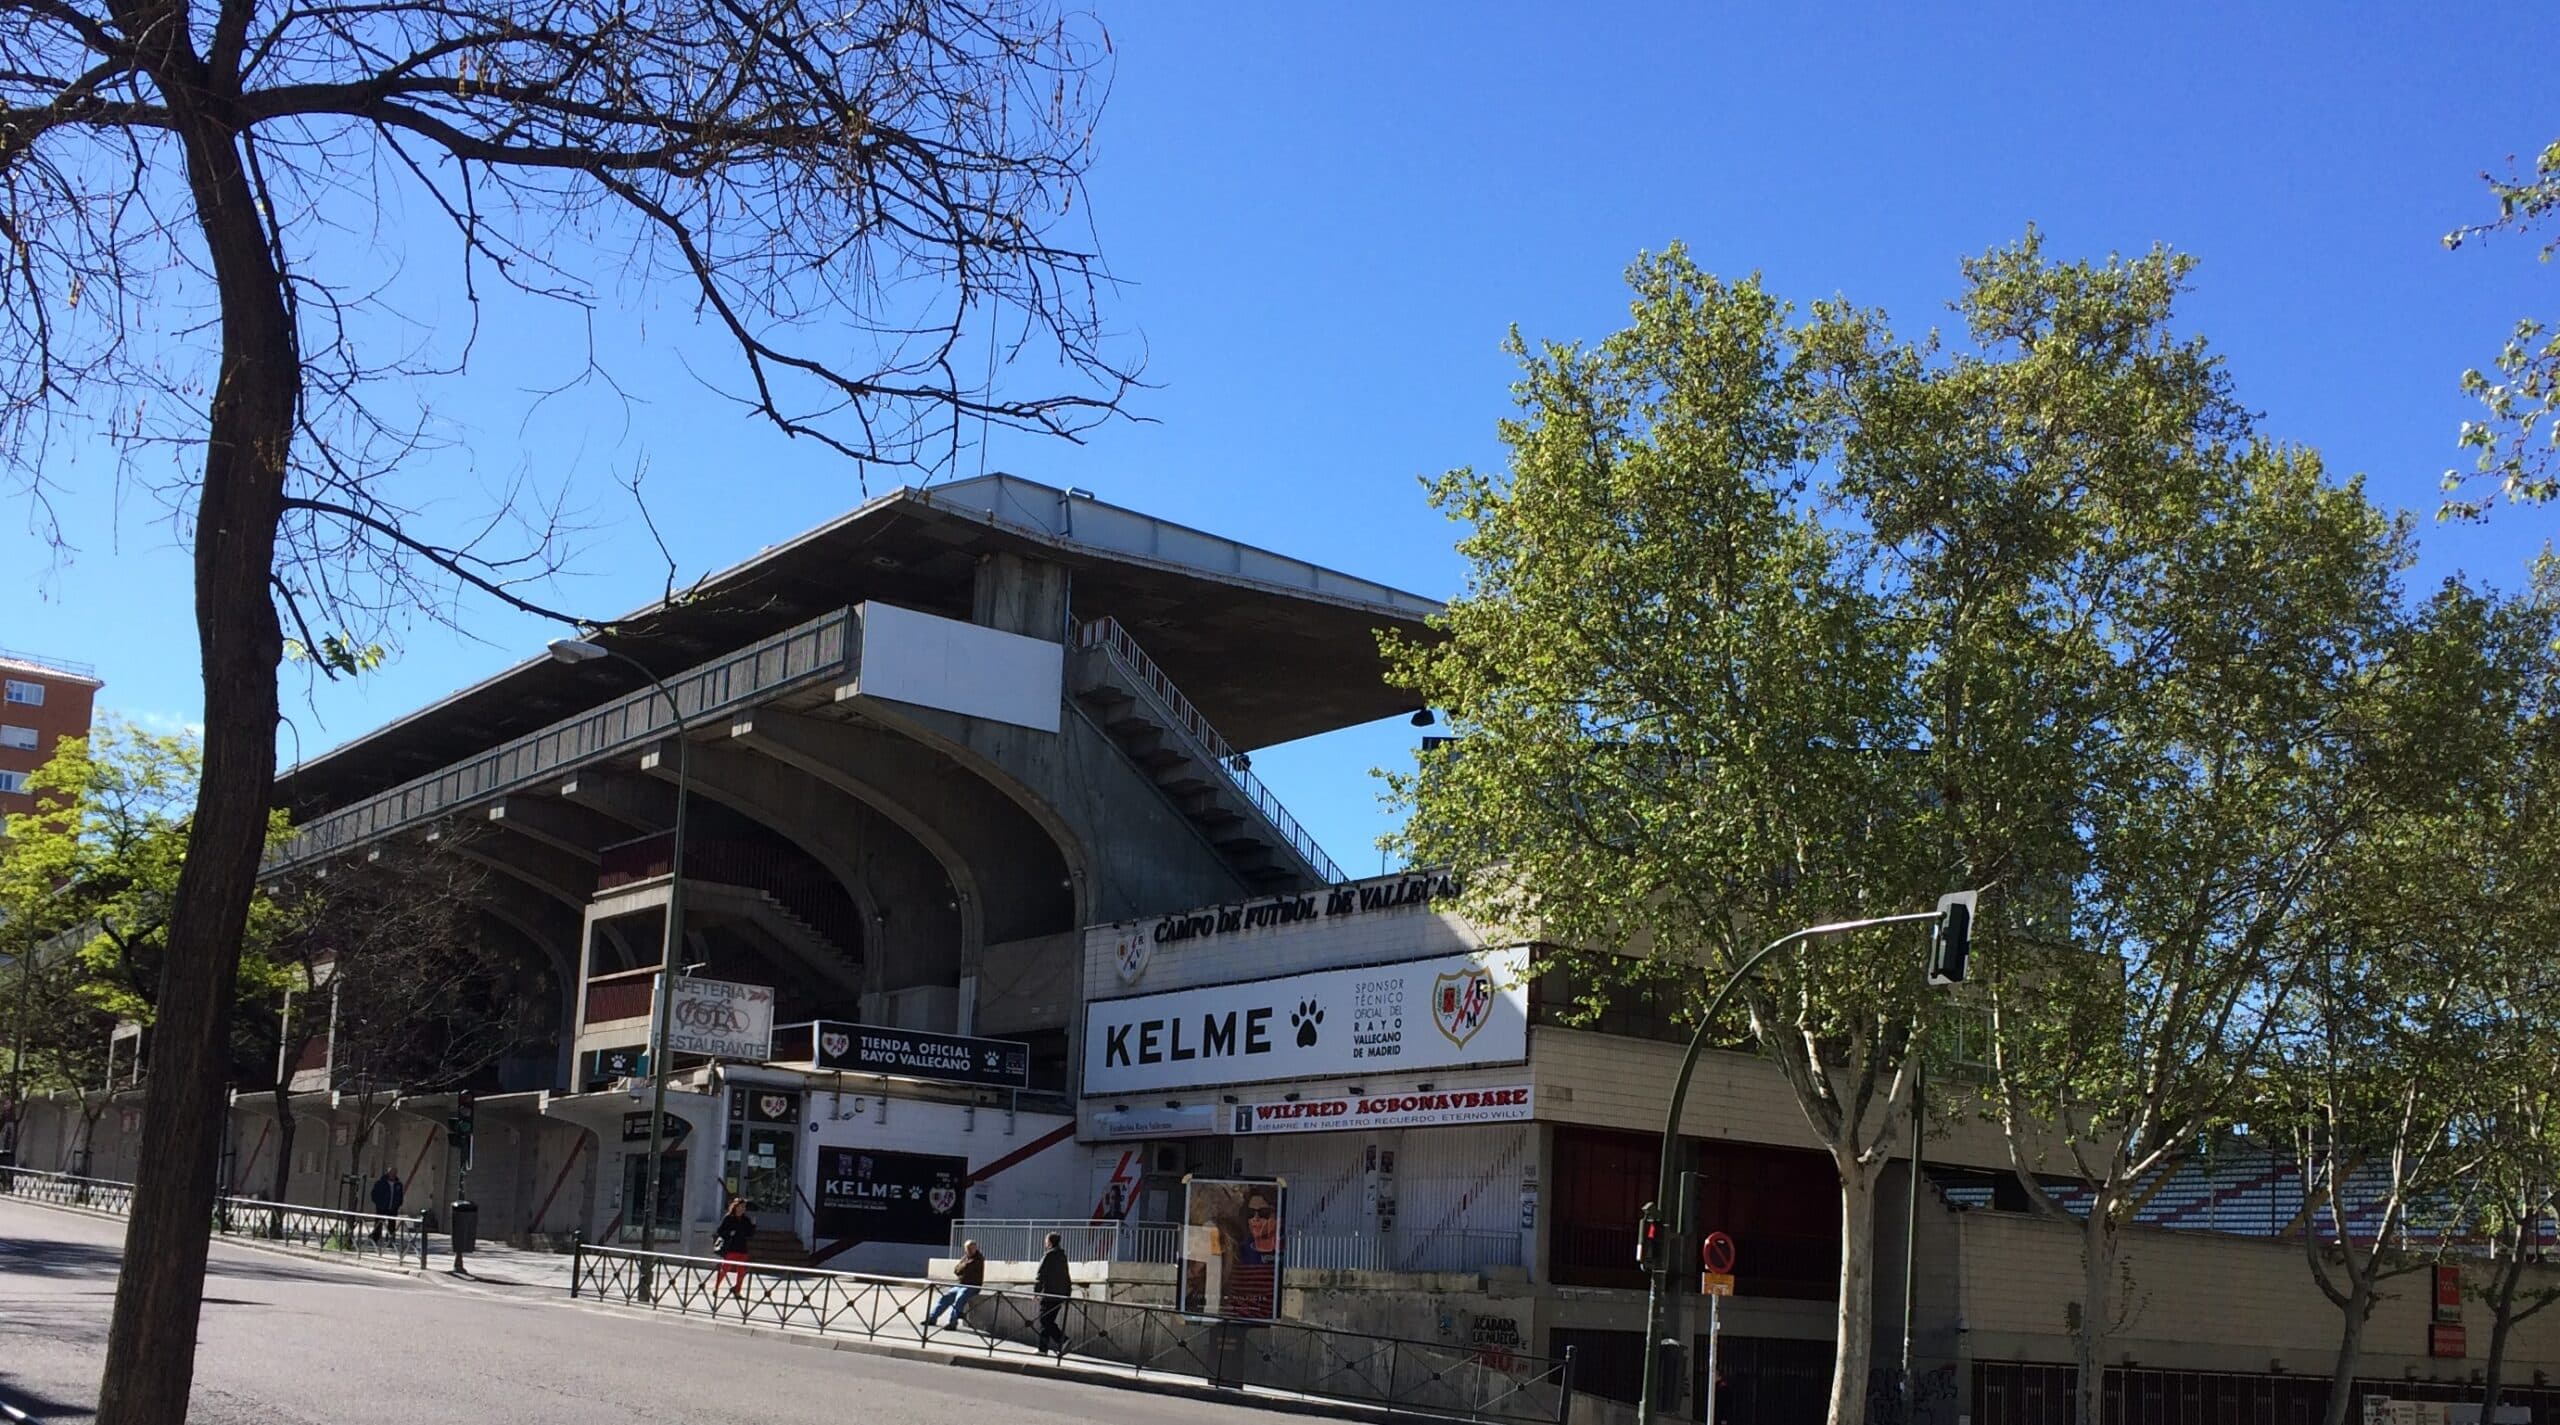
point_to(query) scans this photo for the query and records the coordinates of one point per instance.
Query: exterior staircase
(777, 1247)
(1205, 778)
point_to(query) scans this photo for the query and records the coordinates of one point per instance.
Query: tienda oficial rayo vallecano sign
(1446, 1012)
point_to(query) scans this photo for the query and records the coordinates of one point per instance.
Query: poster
(871, 1196)
(1233, 1229)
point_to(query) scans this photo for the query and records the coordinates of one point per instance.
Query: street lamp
(579, 650)
(1651, 1232)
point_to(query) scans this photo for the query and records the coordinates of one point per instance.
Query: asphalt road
(284, 1341)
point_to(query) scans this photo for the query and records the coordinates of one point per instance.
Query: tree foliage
(2516, 443)
(1772, 623)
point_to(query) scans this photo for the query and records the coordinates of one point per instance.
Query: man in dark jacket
(1054, 1286)
(388, 1191)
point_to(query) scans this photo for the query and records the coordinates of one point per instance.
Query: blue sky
(1328, 216)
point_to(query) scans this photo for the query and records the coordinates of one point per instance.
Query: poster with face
(1233, 1229)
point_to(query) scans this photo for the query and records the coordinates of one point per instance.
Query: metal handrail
(1106, 635)
(1288, 1357)
(822, 648)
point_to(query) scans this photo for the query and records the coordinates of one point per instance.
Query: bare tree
(392, 973)
(847, 191)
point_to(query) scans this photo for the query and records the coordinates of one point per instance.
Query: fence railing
(1114, 641)
(362, 1234)
(1012, 1239)
(67, 1190)
(1283, 1356)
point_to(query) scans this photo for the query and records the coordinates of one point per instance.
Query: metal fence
(1012, 1239)
(361, 1234)
(66, 1190)
(1425, 1377)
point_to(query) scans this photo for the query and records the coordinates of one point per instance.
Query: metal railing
(1021, 1239)
(67, 1190)
(362, 1234)
(1106, 635)
(50, 663)
(1287, 1357)
(820, 649)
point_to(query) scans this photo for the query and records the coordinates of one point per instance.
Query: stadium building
(969, 807)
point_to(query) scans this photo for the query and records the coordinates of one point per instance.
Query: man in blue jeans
(970, 1274)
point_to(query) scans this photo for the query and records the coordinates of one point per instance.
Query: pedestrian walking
(730, 1239)
(970, 1274)
(1054, 1286)
(388, 1193)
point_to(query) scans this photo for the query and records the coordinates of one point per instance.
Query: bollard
(577, 1258)
(422, 1239)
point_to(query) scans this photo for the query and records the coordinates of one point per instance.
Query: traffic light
(459, 1126)
(1951, 939)
(1653, 1243)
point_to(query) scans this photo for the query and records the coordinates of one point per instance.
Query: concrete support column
(1021, 595)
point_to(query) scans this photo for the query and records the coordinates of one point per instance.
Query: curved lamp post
(1657, 1299)
(579, 650)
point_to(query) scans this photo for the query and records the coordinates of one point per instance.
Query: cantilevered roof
(1269, 647)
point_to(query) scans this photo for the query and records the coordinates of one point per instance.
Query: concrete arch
(1128, 851)
(906, 900)
(972, 826)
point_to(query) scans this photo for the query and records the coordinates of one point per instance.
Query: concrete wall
(1028, 984)
(2195, 1301)
(1613, 1082)
(1174, 960)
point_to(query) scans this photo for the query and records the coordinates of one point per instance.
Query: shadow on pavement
(39, 1406)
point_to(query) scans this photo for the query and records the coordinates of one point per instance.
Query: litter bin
(466, 1227)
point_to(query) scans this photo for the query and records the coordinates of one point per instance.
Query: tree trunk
(284, 1141)
(1857, 1290)
(2342, 1378)
(2099, 1240)
(2502, 1322)
(151, 1339)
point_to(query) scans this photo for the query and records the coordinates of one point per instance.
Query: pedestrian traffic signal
(1951, 939)
(1652, 1243)
(460, 1124)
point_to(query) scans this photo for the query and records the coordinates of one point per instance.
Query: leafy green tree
(88, 882)
(1772, 625)
(2517, 442)
(2501, 873)
(2409, 947)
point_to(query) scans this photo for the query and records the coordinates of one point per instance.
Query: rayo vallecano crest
(944, 1198)
(776, 1106)
(1461, 1002)
(835, 1042)
(1131, 954)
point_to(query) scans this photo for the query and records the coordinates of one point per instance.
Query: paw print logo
(1304, 1019)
